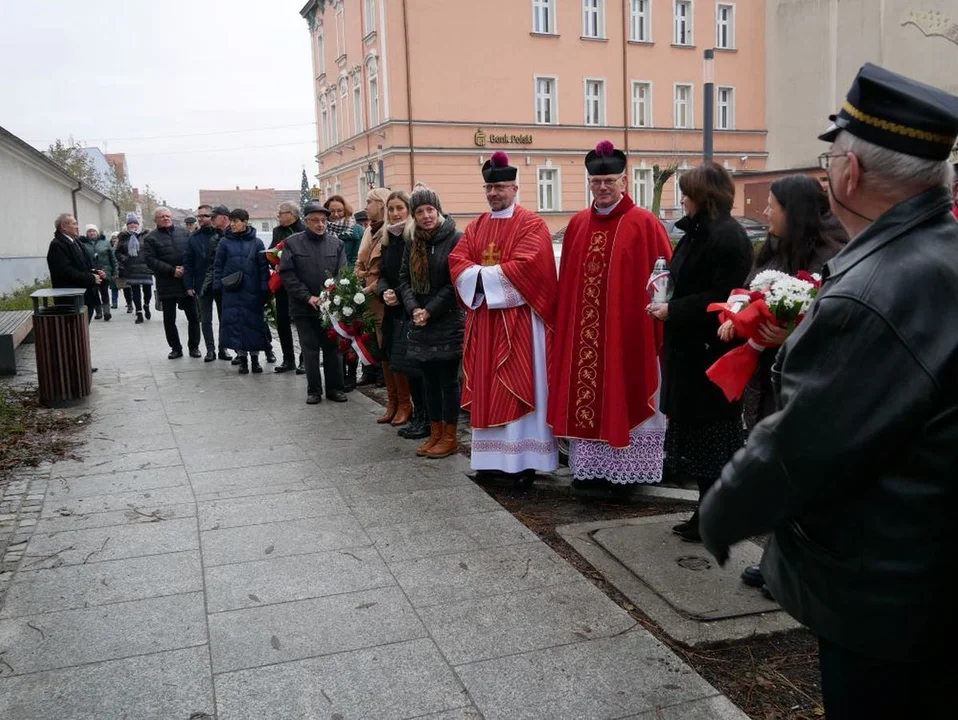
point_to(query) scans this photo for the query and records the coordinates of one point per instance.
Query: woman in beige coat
(368, 268)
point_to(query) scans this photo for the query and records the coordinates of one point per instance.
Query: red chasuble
(604, 364)
(497, 354)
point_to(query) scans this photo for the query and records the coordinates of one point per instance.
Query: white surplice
(526, 443)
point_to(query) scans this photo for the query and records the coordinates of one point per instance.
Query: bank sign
(482, 139)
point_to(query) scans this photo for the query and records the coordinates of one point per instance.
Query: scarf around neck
(340, 227)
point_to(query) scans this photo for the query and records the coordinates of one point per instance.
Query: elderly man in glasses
(604, 377)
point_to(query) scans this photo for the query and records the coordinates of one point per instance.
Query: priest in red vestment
(605, 366)
(505, 275)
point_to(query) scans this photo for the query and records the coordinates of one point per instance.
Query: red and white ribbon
(359, 347)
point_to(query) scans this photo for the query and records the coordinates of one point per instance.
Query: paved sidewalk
(226, 551)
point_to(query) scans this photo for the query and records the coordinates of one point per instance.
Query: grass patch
(30, 434)
(19, 299)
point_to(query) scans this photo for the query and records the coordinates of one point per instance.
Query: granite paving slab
(142, 500)
(170, 684)
(119, 463)
(219, 514)
(718, 707)
(401, 680)
(256, 480)
(465, 499)
(111, 483)
(145, 512)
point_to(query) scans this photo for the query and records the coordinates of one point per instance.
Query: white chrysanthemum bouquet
(346, 316)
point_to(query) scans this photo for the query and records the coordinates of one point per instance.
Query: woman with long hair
(342, 225)
(406, 372)
(803, 234)
(712, 258)
(436, 334)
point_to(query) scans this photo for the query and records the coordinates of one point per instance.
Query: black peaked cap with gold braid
(898, 113)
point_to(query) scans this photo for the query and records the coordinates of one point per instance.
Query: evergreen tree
(303, 192)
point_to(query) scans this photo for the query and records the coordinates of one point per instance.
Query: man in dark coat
(310, 258)
(289, 224)
(857, 472)
(69, 264)
(165, 248)
(200, 251)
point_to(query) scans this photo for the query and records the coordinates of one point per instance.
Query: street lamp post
(370, 176)
(709, 108)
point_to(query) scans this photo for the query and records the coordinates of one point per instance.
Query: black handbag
(234, 281)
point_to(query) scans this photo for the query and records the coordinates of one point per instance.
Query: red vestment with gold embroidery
(604, 363)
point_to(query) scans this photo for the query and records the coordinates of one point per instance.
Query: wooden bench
(16, 326)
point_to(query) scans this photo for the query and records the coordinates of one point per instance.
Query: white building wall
(815, 48)
(32, 194)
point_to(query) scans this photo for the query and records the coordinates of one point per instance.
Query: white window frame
(344, 102)
(372, 85)
(340, 31)
(690, 110)
(646, 119)
(601, 120)
(369, 17)
(640, 20)
(358, 107)
(555, 182)
(730, 106)
(677, 190)
(687, 19)
(321, 52)
(729, 25)
(593, 10)
(642, 183)
(544, 10)
(554, 99)
(323, 123)
(333, 120)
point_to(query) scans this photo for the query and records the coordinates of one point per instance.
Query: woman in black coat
(713, 258)
(244, 326)
(435, 334)
(396, 321)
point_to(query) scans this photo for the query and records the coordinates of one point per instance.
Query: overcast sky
(128, 75)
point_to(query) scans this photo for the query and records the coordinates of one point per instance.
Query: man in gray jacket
(164, 251)
(856, 474)
(311, 258)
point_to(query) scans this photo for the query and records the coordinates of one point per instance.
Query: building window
(373, 72)
(323, 123)
(548, 190)
(593, 18)
(358, 107)
(333, 120)
(683, 107)
(321, 53)
(369, 16)
(543, 17)
(340, 32)
(642, 191)
(265, 226)
(640, 21)
(678, 187)
(595, 102)
(546, 101)
(725, 27)
(725, 108)
(683, 23)
(641, 104)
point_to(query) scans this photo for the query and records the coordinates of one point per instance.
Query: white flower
(766, 278)
(337, 301)
(359, 298)
(344, 282)
(347, 311)
(329, 283)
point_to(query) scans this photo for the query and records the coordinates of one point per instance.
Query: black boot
(146, 311)
(418, 428)
(107, 315)
(243, 364)
(97, 314)
(223, 355)
(139, 318)
(271, 356)
(349, 376)
(285, 366)
(254, 364)
(210, 355)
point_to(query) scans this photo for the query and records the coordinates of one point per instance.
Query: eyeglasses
(203, 216)
(603, 182)
(825, 160)
(284, 212)
(497, 187)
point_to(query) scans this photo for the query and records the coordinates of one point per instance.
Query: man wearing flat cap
(309, 259)
(856, 475)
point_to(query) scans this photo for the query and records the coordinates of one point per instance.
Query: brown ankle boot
(435, 436)
(447, 445)
(391, 402)
(404, 405)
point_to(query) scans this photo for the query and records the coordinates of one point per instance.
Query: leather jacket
(857, 471)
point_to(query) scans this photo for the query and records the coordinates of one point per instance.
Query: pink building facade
(425, 90)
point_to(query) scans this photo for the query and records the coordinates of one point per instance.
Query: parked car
(755, 229)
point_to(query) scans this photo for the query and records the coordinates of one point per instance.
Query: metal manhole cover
(694, 562)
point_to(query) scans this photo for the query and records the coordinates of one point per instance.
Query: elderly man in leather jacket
(857, 472)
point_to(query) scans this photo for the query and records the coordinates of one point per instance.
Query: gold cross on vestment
(491, 255)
